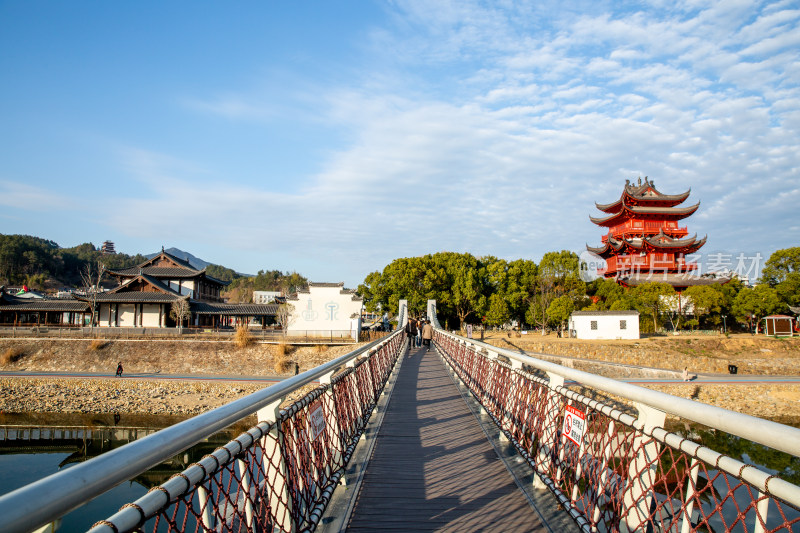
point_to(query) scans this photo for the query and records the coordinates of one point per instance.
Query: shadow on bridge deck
(432, 468)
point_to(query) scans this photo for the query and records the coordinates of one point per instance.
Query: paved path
(144, 376)
(433, 468)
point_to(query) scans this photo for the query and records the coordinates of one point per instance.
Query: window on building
(594, 324)
(623, 324)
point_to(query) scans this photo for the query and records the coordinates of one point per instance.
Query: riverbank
(117, 396)
(616, 359)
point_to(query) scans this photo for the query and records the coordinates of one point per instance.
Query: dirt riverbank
(752, 355)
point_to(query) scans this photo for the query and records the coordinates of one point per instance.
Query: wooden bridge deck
(432, 468)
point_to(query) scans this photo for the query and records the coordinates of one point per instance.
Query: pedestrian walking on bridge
(427, 335)
(411, 332)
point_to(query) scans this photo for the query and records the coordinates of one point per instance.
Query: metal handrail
(772, 434)
(44, 501)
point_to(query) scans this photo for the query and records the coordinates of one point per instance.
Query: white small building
(324, 310)
(265, 297)
(604, 324)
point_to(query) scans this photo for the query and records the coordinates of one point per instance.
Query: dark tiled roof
(162, 253)
(317, 284)
(10, 303)
(206, 308)
(137, 297)
(161, 272)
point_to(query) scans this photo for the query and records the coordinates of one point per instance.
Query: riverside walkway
(432, 468)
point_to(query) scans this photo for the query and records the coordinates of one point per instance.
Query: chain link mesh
(277, 476)
(620, 476)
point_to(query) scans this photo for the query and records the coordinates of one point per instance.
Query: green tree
(558, 275)
(652, 298)
(498, 312)
(606, 292)
(782, 272)
(752, 304)
(705, 300)
(560, 310)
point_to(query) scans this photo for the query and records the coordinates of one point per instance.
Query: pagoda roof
(635, 211)
(643, 194)
(659, 241)
(662, 240)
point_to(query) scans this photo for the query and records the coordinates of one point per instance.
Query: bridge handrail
(612, 471)
(772, 434)
(24, 510)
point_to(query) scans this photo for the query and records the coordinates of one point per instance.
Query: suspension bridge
(466, 437)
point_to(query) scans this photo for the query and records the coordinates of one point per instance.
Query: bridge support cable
(276, 476)
(613, 471)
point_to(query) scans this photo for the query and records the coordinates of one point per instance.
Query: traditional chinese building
(646, 240)
(147, 292)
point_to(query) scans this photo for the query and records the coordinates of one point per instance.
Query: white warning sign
(316, 421)
(574, 424)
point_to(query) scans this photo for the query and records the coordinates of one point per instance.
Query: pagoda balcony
(635, 228)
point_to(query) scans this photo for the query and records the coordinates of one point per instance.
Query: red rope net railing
(621, 473)
(278, 475)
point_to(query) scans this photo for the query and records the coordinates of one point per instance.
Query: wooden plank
(432, 468)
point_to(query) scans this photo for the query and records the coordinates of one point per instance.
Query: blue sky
(333, 137)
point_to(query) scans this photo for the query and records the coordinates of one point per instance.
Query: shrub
(97, 344)
(281, 360)
(243, 338)
(11, 355)
(321, 348)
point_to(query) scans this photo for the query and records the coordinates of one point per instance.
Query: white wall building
(265, 297)
(325, 310)
(604, 324)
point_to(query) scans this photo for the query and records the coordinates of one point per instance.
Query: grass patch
(11, 355)
(321, 348)
(281, 360)
(242, 338)
(97, 344)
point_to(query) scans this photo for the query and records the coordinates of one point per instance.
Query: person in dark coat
(119, 369)
(411, 331)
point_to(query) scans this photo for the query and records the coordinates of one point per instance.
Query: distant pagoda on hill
(107, 248)
(645, 242)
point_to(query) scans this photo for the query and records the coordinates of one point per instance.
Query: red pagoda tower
(645, 241)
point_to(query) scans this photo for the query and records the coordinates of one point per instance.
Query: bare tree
(180, 311)
(285, 315)
(91, 278)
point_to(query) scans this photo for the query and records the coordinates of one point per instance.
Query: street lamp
(724, 324)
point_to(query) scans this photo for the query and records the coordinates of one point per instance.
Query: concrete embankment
(118, 395)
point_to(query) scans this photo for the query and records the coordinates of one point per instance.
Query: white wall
(608, 326)
(322, 310)
(186, 287)
(150, 314)
(126, 315)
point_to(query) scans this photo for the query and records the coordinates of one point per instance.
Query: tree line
(41, 264)
(34, 261)
(492, 291)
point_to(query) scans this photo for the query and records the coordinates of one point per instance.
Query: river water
(35, 446)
